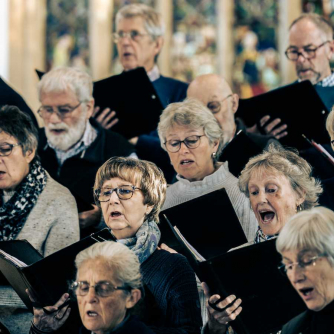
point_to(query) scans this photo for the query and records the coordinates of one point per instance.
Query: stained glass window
(194, 39)
(256, 56)
(67, 33)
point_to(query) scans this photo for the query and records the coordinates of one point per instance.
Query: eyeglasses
(6, 149)
(102, 289)
(215, 106)
(302, 264)
(307, 52)
(332, 142)
(123, 192)
(62, 111)
(174, 146)
(133, 35)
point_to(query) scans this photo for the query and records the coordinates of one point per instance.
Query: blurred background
(240, 39)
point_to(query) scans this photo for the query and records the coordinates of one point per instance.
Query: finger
(168, 249)
(112, 123)
(231, 309)
(65, 316)
(104, 114)
(264, 120)
(96, 110)
(235, 313)
(228, 300)
(271, 125)
(281, 135)
(31, 296)
(108, 117)
(278, 130)
(62, 300)
(206, 290)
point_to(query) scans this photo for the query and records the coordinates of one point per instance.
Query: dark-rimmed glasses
(302, 264)
(308, 52)
(102, 289)
(133, 35)
(62, 111)
(174, 145)
(6, 149)
(215, 106)
(123, 192)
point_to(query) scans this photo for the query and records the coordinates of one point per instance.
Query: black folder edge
(23, 278)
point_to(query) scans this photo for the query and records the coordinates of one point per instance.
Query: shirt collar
(154, 74)
(327, 82)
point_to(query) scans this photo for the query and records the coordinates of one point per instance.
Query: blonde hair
(330, 123)
(144, 174)
(277, 159)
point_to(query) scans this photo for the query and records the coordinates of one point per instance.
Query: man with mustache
(71, 146)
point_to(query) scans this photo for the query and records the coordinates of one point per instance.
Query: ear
(90, 108)
(235, 103)
(159, 42)
(149, 208)
(215, 145)
(30, 155)
(133, 299)
(331, 49)
(300, 200)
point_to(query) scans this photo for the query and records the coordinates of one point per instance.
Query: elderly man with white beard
(72, 146)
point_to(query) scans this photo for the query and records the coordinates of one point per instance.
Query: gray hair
(320, 22)
(19, 125)
(120, 259)
(330, 123)
(292, 166)
(153, 22)
(311, 229)
(62, 79)
(193, 114)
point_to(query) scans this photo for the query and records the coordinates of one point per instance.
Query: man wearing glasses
(71, 146)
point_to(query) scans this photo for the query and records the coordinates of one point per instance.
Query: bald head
(216, 94)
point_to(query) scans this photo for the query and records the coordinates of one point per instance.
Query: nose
(301, 58)
(296, 274)
(125, 40)
(183, 148)
(113, 197)
(54, 117)
(261, 197)
(91, 295)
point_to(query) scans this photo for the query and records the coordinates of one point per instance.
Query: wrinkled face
(101, 314)
(272, 199)
(14, 167)
(192, 163)
(305, 34)
(314, 282)
(139, 52)
(124, 217)
(220, 101)
(63, 134)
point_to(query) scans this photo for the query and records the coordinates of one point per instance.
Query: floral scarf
(145, 242)
(14, 213)
(260, 236)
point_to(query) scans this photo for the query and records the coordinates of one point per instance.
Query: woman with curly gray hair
(278, 183)
(194, 140)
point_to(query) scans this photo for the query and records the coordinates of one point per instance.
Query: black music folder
(251, 273)
(48, 278)
(133, 97)
(208, 223)
(238, 152)
(298, 105)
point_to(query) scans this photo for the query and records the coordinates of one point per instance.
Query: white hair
(121, 260)
(310, 229)
(153, 22)
(62, 79)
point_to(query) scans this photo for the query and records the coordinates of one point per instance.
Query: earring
(213, 155)
(299, 208)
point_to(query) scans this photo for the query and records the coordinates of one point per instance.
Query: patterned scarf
(260, 236)
(145, 242)
(14, 213)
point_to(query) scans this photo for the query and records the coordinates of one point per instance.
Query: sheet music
(13, 259)
(197, 255)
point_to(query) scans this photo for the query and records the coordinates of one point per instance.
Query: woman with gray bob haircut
(306, 244)
(108, 285)
(194, 140)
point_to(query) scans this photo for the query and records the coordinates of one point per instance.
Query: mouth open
(92, 314)
(186, 162)
(127, 54)
(267, 216)
(57, 131)
(306, 291)
(115, 214)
